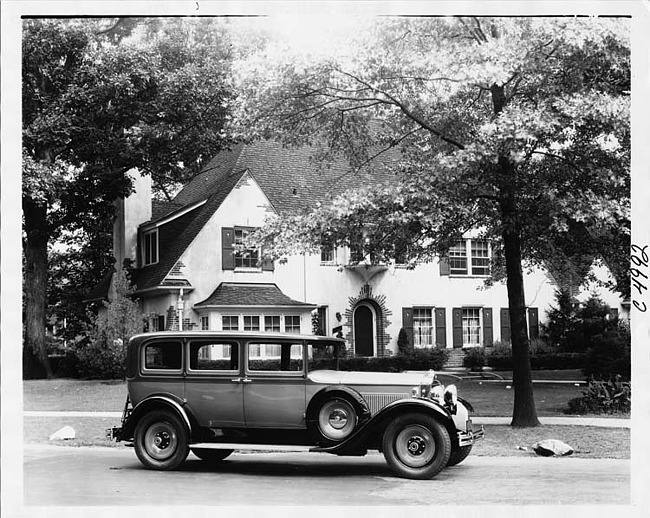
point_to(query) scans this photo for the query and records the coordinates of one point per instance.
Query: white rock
(550, 447)
(64, 434)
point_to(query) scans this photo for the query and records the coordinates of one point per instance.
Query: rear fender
(156, 402)
(370, 433)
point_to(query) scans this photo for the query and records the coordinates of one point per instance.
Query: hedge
(555, 361)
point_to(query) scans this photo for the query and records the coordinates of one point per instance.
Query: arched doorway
(364, 334)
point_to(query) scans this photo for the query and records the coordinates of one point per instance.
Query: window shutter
(161, 322)
(457, 323)
(227, 252)
(505, 325)
(488, 336)
(268, 265)
(533, 323)
(444, 266)
(407, 324)
(441, 327)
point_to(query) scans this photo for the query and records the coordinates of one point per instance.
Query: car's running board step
(250, 447)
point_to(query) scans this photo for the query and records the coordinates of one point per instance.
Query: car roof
(255, 335)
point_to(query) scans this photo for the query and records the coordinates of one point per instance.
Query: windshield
(322, 355)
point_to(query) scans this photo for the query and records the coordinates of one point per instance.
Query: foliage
(103, 355)
(609, 355)
(402, 341)
(611, 396)
(413, 359)
(98, 102)
(572, 327)
(475, 358)
(517, 128)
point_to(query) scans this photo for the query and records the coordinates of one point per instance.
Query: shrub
(413, 359)
(603, 397)
(609, 356)
(102, 354)
(474, 358)
(402, 341)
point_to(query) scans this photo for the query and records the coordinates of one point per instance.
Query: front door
(363, 332)
(274, 384)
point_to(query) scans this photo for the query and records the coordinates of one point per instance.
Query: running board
(249, 447)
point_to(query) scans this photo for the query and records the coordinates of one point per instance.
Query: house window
(458, 259)
(471, 327)
(292, 324)
(150, 247)
(248, 258)
(422, 327)
(230, 323)
(205, 323)
(480, 258)
(272, 324)
(251, 323)
(326, 254)
(476, 263)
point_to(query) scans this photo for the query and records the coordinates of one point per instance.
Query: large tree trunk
(524, 413)
(35, 359)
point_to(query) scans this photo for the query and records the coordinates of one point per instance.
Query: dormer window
(149, 246)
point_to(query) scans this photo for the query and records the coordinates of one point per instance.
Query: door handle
(246, 380)
(236, 380)
(242, 380)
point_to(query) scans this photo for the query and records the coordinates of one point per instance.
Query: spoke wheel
(416, 446)
(210, 455)
(337, 419)
(161, 440)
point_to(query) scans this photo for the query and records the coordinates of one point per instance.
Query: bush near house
(475, 358)
(412, 359)
(611, 396)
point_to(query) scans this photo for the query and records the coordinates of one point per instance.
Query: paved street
(64, 476)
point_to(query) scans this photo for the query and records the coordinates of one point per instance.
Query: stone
(64, 434)
(551, 447)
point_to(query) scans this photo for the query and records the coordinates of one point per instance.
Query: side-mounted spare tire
(161, 440)
(334, 417)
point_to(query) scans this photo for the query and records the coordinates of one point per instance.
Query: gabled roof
(248, 294)
(289, 178)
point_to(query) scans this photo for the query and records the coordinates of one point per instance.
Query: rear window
(163, 355)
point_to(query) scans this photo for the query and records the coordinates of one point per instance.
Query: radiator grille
(378, 401)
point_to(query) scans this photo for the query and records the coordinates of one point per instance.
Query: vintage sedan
(214, 392)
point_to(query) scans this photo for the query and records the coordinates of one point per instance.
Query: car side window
(163, 355)
(275, 357)
(211, 355)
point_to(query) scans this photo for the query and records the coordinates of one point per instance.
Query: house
(188, 274)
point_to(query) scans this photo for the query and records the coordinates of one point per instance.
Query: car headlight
(451, 396)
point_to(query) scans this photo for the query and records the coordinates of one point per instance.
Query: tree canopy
(517, 128)
(101, 97)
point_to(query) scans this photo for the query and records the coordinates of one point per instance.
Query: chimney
(131, 212)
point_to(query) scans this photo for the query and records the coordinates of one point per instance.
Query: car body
(213, 392)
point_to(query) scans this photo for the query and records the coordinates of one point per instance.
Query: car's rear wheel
(416, 446)
(337, 418)
(161, 440)
(210, 455)
(459, 455)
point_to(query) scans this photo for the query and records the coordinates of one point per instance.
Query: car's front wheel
(459, 455)
(416, 446)
(161, 440)
(210, 455)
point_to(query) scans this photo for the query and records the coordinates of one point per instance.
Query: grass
(488, 399)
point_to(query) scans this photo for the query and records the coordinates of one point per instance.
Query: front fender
(369, 434)
(155, 402)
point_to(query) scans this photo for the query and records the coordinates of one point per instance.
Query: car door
(213, 387)
(274, 384)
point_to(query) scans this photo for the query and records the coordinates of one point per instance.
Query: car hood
(331, 377)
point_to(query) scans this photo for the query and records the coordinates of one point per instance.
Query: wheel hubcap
(161, 441)
(415, 446)
(338, 419)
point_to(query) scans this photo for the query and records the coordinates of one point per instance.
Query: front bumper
(469, 436)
